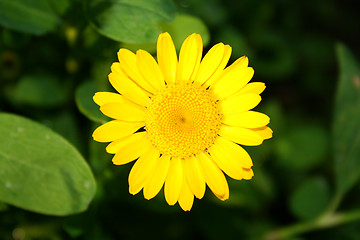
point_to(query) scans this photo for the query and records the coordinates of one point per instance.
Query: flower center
(182, 120)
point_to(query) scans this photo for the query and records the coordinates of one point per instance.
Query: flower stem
(325, 221)
(334, 204)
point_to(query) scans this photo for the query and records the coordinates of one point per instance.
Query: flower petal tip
(133, 191)
(186, 209)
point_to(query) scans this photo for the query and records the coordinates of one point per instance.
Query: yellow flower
(182, 119)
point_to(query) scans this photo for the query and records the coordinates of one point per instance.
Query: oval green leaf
(40, 171)
(310, 199)
(303, 147)
(32, 16)
(346, 125)
(131, 21)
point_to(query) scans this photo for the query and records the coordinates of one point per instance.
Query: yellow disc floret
(182, 120)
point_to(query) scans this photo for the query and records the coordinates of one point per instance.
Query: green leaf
(59, 6)
(346, 125)
(149, 47)
(303, 147)
(84, 101)
(32, 16)
(179, 29)
(40, 171)
(183, 26)
(39, 91)
(132, 21)
(310, 199)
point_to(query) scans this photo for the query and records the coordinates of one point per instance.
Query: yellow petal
(189, 58)
(234, 79)
(101, 98)
(149, 69)
(157, 177)
(186, 198)
(222, 65)
(199, 56)
(248, 119)
(210, 63)
(230, 157)
(233, 153)
(214, 177)
(239, 103)
(240, 63)
(140, 171)
(166, 56)
(126, 111)
(174, 181)
(126, 87)
(121, 143)
(195, 177)
(115, 129)
(241, 135)
(232, 168)
(253, 87)
(248, 173)
(131, 151)
(264, 132)
(127, 60)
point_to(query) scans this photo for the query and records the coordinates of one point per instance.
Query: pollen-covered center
(182, 120)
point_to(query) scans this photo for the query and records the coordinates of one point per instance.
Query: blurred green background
(55, 54)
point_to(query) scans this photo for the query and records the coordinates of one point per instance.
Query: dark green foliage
(55, 54)
(346, 125)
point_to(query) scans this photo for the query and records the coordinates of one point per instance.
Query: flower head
(182, 119)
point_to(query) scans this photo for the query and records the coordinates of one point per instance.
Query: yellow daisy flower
(182, 119)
